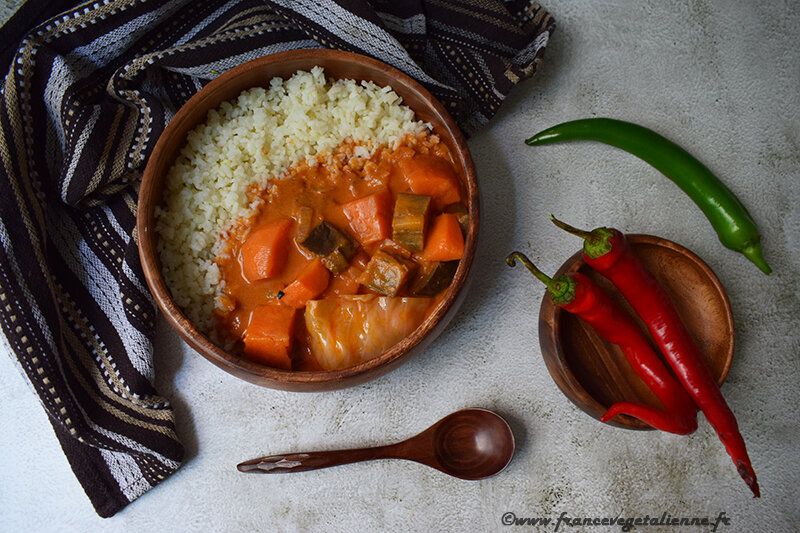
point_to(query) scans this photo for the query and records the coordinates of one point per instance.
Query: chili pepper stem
(595, 243)
(582, 233)
(512, 259)
(561, 289)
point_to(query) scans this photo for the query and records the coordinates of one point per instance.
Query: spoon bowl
(468, 444)
(471, 444)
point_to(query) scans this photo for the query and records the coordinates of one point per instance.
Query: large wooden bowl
(256, 73)
(594, 374)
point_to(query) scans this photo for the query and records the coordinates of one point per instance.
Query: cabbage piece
(347, 330)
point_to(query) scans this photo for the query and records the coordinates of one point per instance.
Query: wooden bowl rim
(573, 264)
(262, 374)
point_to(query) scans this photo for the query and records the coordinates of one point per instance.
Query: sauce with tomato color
(309, 195)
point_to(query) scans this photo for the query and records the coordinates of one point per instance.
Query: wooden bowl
(594, 374)
(337, 64)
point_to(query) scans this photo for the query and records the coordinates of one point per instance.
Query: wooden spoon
(468, 444)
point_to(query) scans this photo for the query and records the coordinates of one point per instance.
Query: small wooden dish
(594, 374)
(258, 73)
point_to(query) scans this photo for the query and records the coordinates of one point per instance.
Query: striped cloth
(85, 96)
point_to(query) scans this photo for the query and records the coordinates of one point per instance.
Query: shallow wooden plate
(594, 374)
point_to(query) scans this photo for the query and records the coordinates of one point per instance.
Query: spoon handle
(302, 462)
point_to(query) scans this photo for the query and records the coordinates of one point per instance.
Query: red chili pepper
(607, 251)
(579, 295)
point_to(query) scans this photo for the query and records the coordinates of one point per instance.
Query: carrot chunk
(431, 176)
(311, 282)
(370, 217)
(445, 241)
(269, 338)
(264, 253)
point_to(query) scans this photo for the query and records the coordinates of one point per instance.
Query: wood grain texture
(468, 444)
(337, 64)
(594, 374)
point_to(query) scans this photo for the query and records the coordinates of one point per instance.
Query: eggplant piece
(433, 278)
(333, 246)
(461, 212)
(463, 221)
(386, 274)
(304, 217)
(336, 261)
(391, 247)
(410, 220)
(324, 239)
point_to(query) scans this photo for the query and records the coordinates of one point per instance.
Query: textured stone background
(722, 79)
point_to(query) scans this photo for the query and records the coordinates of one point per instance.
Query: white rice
(251, 140)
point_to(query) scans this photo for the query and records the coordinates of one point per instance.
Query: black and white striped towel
(87, 91)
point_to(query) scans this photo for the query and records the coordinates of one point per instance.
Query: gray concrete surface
(723, 79)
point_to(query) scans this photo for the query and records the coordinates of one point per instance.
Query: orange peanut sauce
(308, 194)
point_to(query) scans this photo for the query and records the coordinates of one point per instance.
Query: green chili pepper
(730, 219)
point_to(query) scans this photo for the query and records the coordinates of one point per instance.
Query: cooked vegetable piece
(361, 259)
(324, 239)
(263, 254)
(411, 213)
(445, 241)
(304, 217)
(432, 176)
(348, 330)
(311, 282)
(269, 337)
(370, 217)
(386, 274)
(433, 278)
(391, 247)
(336, 261)
(346, 282)
(335, 248)
(460, 211)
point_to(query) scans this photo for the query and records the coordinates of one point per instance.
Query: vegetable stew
(345, 256)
